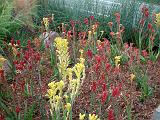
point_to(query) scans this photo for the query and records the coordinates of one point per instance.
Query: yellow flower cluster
(99, 42)
(89, 35)
(55, 94)
(117, 60)
(46, 23)
(158, 19)
(14, 49)
(69, 73)
(132, 77)
(2, 60)
(61, 45)
(81, 116)
(68, 106)
(91, 117)
(63, 56)
(74, 84)
(56, 97)
(78, 71)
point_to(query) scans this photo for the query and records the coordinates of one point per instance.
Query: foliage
(103, 11)
(94, 50)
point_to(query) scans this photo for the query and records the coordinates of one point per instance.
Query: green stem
(74, 46)
(70, 114)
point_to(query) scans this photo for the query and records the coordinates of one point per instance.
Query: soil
(140, 110)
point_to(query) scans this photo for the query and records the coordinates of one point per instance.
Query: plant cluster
(81, 54)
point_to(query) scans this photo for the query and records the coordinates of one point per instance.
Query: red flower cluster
(93, 86)
(89, 54)
(116, 92)
(17, 109)
(145, 11)
(150, 26)
(118, 17)
(2, 117)
(86, 21)
(104, 97)
(92, 17)
(26, 58)
(144, 53)
(12, 42)
(111, 114)
(1, 73)
(108, 67)
(19, 43)
(72, 22)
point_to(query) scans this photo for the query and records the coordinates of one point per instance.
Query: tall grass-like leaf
(30, 112)
(129, 114)
(10, 115)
